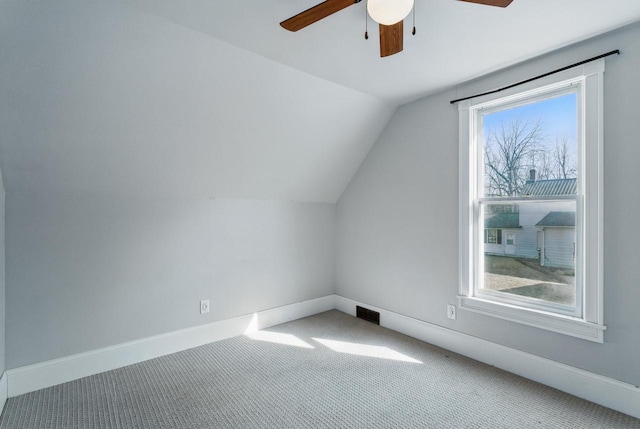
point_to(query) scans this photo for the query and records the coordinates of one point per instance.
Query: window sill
(552, 322)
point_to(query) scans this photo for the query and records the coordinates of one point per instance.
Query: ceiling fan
(391, 36)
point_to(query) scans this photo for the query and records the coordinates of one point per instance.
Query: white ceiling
(212, 98)
(455, 41)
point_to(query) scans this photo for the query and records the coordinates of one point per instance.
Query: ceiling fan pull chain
(413, 32)
(366, 23)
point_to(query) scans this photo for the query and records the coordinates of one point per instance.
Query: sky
(558, 116)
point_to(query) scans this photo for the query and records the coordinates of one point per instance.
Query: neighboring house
(501, 231)
(539, 230)
(558, 239)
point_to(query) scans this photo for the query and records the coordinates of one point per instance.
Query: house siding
(494, 249)
(559, 247)
(526, 236)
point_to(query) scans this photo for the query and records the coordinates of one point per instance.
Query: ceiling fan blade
(316, 13)
(391, 38)
(499, 3)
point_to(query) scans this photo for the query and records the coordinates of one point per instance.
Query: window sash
(476, 289)
(572, 86)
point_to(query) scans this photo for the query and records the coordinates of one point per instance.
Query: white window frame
(588, 322)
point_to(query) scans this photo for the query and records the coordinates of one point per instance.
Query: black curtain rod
(616, 52)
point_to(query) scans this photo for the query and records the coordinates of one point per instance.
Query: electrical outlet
(451, 311)
(204, 306)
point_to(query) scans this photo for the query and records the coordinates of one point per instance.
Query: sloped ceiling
(455, 41)
(102, 98)
(203, 98)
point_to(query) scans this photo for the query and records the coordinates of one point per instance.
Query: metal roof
(551, 187)
(558, 219)
(503, 220)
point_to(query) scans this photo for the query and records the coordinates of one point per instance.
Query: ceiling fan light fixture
(389, 12)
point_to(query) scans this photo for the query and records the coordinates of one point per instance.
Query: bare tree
(565, 166)
(510, 152)
(514, 148)
(542, 161)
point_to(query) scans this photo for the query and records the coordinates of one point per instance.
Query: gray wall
(85, 272)
(100, 98)
(2, 280)
(117, 128)
(398, 218)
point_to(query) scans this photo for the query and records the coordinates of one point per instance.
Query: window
(493, 236)
(531, 172)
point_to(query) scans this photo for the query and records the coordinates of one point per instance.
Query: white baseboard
(596, 388)
(4, 392)
(602, 390)
(50, 373)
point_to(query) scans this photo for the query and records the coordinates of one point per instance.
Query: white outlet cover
(451, 311)
(204, 306)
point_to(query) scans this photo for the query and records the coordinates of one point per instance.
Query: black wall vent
(368, 315)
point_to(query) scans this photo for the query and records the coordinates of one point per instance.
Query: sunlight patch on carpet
(365, 350)
(279, 338)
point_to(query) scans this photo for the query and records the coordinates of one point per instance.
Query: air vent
(368, 315)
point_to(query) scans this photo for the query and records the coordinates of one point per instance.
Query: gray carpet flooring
(326, 371)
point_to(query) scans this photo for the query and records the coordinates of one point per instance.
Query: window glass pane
(536, 258)
(531, 149)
